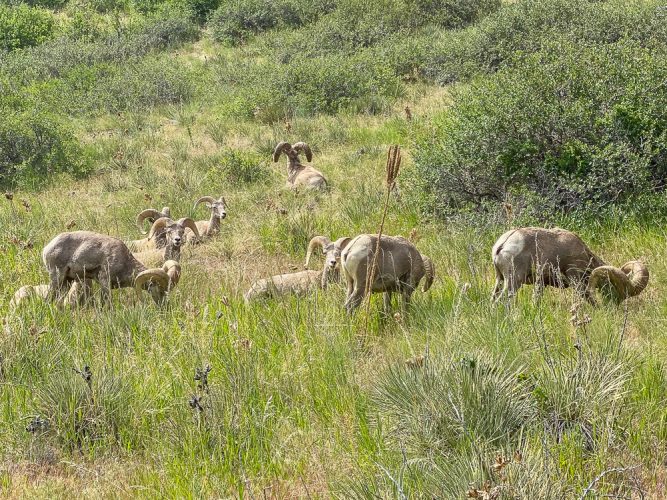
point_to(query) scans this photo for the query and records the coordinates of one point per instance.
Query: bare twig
(599, 477)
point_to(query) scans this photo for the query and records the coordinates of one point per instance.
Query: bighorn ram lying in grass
(75, 296)
(399, 268)
(298, 174)
(559, 258)
(84, 255)
(173, 234)
(302, 282)
(211, 227)
(158, 241)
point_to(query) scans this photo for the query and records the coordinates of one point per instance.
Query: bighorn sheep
(75, 296)
(332, 252)
(399, 268)
(211, 227)
(302, 282)
(559, 258)
(159, 240)
(298, 174)
(84, 255)
(173, 234)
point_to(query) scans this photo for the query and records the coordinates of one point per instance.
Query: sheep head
(218, 207)
(152, 215)
(292, 152)
(159, 281)
(628, 281)
(173, 230)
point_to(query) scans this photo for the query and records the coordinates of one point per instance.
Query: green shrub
(241, 167)
(571, 126)
(34, 146)
(24, 26)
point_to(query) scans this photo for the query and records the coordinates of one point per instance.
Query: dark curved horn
(173, 270)
(188, 222)
(282, 147)
(430, 273)
(157, 225)
(149, 213)
(156, 275)
(302, 146)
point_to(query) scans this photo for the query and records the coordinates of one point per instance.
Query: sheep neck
(213, 224)
(172, 253)
(295, 167)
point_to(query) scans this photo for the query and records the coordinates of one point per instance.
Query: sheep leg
(386, 299)
(354, 299)
(498, 287)
(105, 286)
(57, 284)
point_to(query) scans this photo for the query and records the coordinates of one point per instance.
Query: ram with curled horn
(151, 215)
(332, 252)
(299, 175)
(559, 258)
(174, 234)
(211, 227)
(86, 256)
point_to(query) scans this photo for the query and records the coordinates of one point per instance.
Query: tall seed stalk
(391, 170)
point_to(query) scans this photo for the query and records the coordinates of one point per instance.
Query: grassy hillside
(110, 107)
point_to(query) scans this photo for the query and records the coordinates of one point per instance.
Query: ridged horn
(173, 270)
(343, 242)
(628, 281)
(155, 275)
(207, 199)
(302, 146)
(149, 213)
(317, 240)
(158, 225)
(282, 147)
(188, 222)
(430, 273)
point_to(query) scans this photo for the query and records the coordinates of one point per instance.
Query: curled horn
(628, 281)
(302, 146)
(430, 273)
(282, 147)
(149, 213)
(188, 222)
(317, 240)
(158, 225)
(155, 275)
(173, 270)
(343, 242)
(207, 199)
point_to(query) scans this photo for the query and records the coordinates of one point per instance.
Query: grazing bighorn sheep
(399, 268)
(173, 233)
(159, 240)
(559, 258)
(298, 174)
(332, 252)
(211, 227)
(75, 296)
(84, 255)
(302, 282)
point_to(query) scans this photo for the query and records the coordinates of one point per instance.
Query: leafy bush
(526, 25)
(24, 26)
(241, 167)
(33, 146)
(575, 126)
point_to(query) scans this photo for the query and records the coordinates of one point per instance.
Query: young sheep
(298, 174)
(84, 255)
(173, 233)
(211, 227)
(399, 268)
(75, 296)
(559, 258)
(302, 282)
(159, 240)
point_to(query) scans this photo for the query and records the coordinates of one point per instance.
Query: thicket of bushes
(24, 26)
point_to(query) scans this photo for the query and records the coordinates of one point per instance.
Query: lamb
(159, 240)
(84, 255)
(173, 233)
(75, 296)
(559, 258)
(332, 253)
(211, 227)
(298, 174)
(302, 282)
(399, 268)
